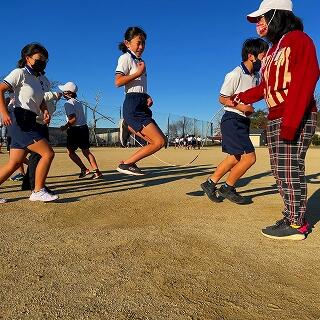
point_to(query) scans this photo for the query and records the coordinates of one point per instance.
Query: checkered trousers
(287, 159)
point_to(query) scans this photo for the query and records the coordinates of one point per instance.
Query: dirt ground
(155, 247)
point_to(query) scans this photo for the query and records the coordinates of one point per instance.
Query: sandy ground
(155, 247)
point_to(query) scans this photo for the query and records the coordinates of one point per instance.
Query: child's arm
(3, 106)
(121, 80)
(247, 109)
(71, 121)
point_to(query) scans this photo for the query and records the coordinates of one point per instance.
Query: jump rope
(153, 155)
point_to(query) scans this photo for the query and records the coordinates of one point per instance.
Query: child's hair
(282, 22)
(29, 50)
(253, 46)
(131, 33)
(72, 94)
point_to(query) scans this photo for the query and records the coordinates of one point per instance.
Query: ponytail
(122, 47)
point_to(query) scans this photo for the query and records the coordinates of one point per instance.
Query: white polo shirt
(73, 106)
(238, 80)
(28, 89)
(127, 64)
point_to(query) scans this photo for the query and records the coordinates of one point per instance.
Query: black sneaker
(278, 223)
(124, 133)
(84, 173)
(231, 194)
(130, 169)
(284, 230)
(211, 191)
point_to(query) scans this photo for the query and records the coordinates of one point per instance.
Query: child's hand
(141, 68)
(6, 119)
(247, 109)
(228, 102)
(149, 102)
(46, 117)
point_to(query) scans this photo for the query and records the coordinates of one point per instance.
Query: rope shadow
(120, 182)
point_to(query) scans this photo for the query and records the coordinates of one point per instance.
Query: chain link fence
(173, 126)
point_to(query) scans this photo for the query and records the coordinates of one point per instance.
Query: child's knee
(49, 155)
(159, 142)
(251, 158)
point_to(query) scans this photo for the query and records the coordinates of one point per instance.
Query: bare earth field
(155, 247)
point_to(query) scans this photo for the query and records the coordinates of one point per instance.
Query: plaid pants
(287, 159)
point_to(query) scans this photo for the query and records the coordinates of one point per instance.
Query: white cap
(267, 5)
(69, 86)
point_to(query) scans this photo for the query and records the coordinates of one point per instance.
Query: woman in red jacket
(289, 73)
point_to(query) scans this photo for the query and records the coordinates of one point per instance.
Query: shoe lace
(280, 222)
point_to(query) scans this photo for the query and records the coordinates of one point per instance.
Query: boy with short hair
(235, 125)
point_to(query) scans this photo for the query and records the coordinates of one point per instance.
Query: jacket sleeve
(250, 96)
(304, 76)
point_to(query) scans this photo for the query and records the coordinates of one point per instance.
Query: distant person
(27, 84)
(176, 142)
(189, 142)
(199, 141)
(131, 73)
(289, 77)
(77, 131)
(28, 179)
(235, 125)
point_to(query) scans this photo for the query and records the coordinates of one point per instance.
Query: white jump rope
(165, 162)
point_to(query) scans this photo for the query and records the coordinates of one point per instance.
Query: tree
(259, 120)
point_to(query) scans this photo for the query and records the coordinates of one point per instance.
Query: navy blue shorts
(78, 137)
(136, 113)
(24, 130)
(235, 130)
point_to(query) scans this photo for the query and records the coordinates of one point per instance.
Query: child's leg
(247, 160)
(75, 158)
(47, 154)
(155, 138)
(92, 160)
(225, 166)
(29, 178)
(16, 157)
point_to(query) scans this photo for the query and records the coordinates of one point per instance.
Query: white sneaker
(2, 200)
(43, 195)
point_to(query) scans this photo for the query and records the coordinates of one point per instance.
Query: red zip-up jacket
(289, 76)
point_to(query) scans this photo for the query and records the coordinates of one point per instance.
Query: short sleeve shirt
(28, 89)
(238, 80)
(127, 64)
(72, 106)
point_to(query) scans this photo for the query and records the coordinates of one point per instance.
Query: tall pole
(168, 132)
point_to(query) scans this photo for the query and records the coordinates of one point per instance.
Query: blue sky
(190, 46)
